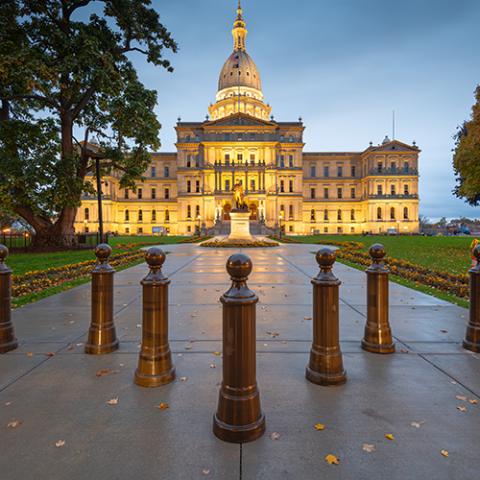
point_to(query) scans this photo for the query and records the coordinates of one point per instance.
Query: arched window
(189, 211)
(312, 215)
(140, 215)
(127, 216)
(339, 215)
(87, 214)
(405, 213)
(379, 213)
(167, 216)
(352, 215)
(392, 213)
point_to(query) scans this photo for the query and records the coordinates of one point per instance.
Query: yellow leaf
(332, 459)
(389, 436)
(473, 401)
(163, 406)
(444, 453)
(217, 354)
(319, 426)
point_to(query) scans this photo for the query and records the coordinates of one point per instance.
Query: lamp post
(99, 198)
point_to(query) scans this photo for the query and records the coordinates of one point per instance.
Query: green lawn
(450, 254)
(155, 240)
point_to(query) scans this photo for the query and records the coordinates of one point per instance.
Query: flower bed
(235, 244)
(195, 239)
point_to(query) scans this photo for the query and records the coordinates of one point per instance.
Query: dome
(239, 70)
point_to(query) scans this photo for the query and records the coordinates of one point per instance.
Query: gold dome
(239, 71)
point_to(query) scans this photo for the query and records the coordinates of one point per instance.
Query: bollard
(378, 335)
(326, 365)
(239, 417)
(155, 366)
(472, 337)
(101, 335)
(7, 336)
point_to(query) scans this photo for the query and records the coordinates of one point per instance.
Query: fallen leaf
(183, 379)
(444, 331)
(444, 453)
(7, 404)
(461, 408)
(461, 397)
(332, 459)
(473, 401)
(113, 401)
(275, 436)
(50, 354)
(60, 443)
(307, 318)
(367, 447)
(103, 372)
(389, 436)
(212, 365)
(14, 424)
(217, 354)
(417, 424)
(205, 471)
(29, 354)
(319, 426)
(163, 406)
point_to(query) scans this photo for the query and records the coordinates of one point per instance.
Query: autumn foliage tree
(466, 158)
(66, 77)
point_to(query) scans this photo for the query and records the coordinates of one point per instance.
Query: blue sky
(343, 65)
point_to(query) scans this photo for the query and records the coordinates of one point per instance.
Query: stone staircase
(256, 228)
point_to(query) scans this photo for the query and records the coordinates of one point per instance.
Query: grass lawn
(451, 254)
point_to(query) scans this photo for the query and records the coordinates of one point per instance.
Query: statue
(239, 197)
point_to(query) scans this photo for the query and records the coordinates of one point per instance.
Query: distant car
(392, 231)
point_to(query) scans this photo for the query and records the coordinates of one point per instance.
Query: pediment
(239, 120)
(394, 146)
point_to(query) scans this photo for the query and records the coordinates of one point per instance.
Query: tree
(466, 158)
(64, 81)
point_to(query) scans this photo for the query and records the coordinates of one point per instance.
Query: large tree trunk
(59, 234)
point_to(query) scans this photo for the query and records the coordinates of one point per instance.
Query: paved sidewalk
(60, 397)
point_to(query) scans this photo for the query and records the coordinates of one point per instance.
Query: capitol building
(374, 190)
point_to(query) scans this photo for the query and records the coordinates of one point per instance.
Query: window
(87, 230)
(313, 171)
(339, 192)
(166, 172)
(167, 193)
(393, 166)
(167, 216)
(154, 193)
(153, 172)
(339, 230)
(290, 186)
(189, 211)
(140, 216)
(339, 171)
(392, 190)
(392, 213)
(189, 186)
(339, 215)
(379, 190)
(126, 194)
(405, 189)
(379, 167)
(127, 216)
(227, 185)
(197, 211)
(312, 193)
(189, 229)
(290, 161)
(282, 186)
(197, 161)
(353, 170)
(352, 215)
(282, 211)
(405, 167)
(282, 161)
(154, 216)
(252, 185)
(197, 186)
(252, 159)
(87, 214)
(325, 215)
(127, 230)
(189, 161)
(353, 192)
(326, 172)
(140, 193)
(239, 157)
(290, 228)
(325, 229)
(325, 193)
(312, 215)
(405, 213)
(379, 213)
(290, 212)
(227, 159)
(140, 230)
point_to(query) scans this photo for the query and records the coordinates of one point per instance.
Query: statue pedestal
(240, 225)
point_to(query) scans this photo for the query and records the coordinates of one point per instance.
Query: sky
(343, 66)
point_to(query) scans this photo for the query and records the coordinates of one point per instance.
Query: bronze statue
(239, 197)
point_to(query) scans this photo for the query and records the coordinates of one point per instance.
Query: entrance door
(227, 208)
(253, 211)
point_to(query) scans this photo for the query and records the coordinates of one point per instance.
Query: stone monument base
(240, 225)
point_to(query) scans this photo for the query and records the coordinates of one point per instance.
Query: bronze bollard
(378, 335)
(326, 364)
(472, 338)
(239, 417)
(7, 336)
(155, 366)
(101, 335)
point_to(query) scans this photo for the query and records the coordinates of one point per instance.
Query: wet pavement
(51, 388)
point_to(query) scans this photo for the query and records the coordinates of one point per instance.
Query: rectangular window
(189, 211)
(290, 212)
(166, 172)
(252, 158)
(325, 215)
(394, 166)
(405, 166)
(140, 193)
(282, 186)
(240, 157)
(339, 193)
(379, 167)
(313, 171)
(290, 186)
(392, 190)
(252, 185)
(154, 193)
(140, 216)
(325, 193)
(339, 171)
(227, 159)
(312, 193)
(197, 161)
(353, 170)
(167, 193)
(326, 172)
(405, 190)
(379, 190)
(353, 193)
(189, 161)
(197, 186)
(154, 216)
(227, 185)
(189, 186)
(140, 230)
(126, 194)
(154, 172)
(290, 161)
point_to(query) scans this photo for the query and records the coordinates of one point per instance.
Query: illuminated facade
(375, 190)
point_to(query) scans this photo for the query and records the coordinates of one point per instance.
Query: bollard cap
(102, 252)
(239, 266)
(325, 258)
(155, 257)
(377, 252)
(3, 253)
